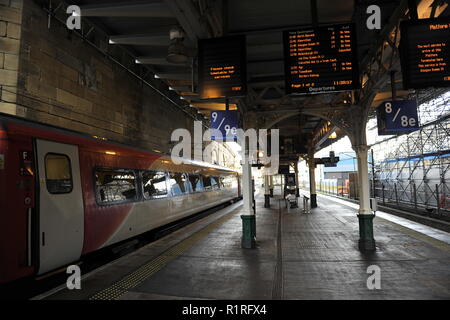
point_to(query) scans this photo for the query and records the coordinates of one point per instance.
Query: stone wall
(52, 75)
(10, 33)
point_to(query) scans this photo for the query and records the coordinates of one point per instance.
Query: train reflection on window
(178, 183)
(58, 173)
(195, 183)
(210, 183)
(215, 182)
(228, 182)
(114, 186)
(154, 185)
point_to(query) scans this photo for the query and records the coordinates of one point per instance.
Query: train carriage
(64, 194)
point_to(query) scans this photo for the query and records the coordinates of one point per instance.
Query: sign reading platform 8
(222, 70)
(396, 117)
(226, 122)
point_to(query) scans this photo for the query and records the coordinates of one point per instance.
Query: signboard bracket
(314, 16)
(393, 86)
(412, 5)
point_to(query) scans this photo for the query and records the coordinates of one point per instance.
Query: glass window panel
(58, 173)
(154, 184)
(215, 182)
(178, 183)
(114, 186)
(195, 183)
(207, 183)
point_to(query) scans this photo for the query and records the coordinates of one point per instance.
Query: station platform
(298, 256)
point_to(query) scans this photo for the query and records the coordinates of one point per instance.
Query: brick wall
(10, 33)
(64, 81)
(52, 76)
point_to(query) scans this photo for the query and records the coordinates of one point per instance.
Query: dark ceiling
(143, 28)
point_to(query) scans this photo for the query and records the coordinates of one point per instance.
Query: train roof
(14, 124)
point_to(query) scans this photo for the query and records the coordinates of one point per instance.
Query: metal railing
(416, 197)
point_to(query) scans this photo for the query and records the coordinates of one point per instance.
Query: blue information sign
(226, 122)
(396, 117)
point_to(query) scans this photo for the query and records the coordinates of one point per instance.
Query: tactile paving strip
(147, 270)
(311, 244)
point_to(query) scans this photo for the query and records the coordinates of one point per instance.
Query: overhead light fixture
(100, 138)
(177, 52)
(333, 135)
(157, 77)
(111, 41)
(170, 88)
(136, 61)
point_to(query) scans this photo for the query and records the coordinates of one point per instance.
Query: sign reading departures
(321, 59)
(222, 67)
(425, 53)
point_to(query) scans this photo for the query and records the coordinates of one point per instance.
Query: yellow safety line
(147, 270)
(420, 236)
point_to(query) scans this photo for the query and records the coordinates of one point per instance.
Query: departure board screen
(425, 53)
(321, 59)
(222, 67)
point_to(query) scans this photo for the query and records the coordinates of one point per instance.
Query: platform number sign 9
(396, 117)
(226, 122)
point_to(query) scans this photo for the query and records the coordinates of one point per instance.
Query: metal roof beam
(325, 137)
(189, 19)
(147, 10)
(157, 39)
(181, 88)
(153, 61)
(174, 76)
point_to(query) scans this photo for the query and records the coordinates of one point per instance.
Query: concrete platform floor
(298, 256)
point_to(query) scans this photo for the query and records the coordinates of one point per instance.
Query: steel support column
(266, 191)
(271, 186)
(297, 184)
(248, 215)
(312, 179)
(365, 216)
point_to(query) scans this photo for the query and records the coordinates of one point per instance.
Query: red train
(64, 194)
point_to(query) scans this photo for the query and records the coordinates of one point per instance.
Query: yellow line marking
(147, 270)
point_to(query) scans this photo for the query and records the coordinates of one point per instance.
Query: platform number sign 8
(226, 122)
(405, 121)
(397, 117)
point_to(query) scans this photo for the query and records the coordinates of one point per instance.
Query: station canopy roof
(144, 27)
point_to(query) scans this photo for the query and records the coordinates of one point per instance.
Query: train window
(154, 184)
(178, 183)
(58, 173)
(195, 183)
(215, 182)
(222, 182)
(228, 181)
(207, 183)
(210, 183)
(115, 186)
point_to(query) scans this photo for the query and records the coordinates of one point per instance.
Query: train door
(61, 220)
